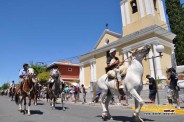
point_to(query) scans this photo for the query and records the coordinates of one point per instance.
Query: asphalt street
(75, 112)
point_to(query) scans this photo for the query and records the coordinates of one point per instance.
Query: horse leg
(29, 105)
(62, 100)
(24, 112)
(102, 101)
(35, 100)
(138, 105)
(107, 101)
(20, 100)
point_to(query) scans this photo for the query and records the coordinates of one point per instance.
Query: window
(106, 41)
(155, 4)
(133, 4)
(69, 69)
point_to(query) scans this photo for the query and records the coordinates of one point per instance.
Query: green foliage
(5, 86)
(41, 72)
(38, 68)
(76, 81)
(43, 77)
(159, 80)
(175, 13)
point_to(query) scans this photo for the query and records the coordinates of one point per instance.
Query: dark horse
(36, 92)
(54, 89)
(11, 92)
(26, 92)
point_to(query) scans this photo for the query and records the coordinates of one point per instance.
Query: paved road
(74, 113)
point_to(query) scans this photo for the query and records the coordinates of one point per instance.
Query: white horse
(132, 85)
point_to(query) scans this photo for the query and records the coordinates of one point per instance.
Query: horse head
(55, 73)
(28, 84)
(141, 53)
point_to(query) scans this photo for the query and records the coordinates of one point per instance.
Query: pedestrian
(152, 88)
(96, 98)
(83, 94)
(121, 98)
(75, 89)
(173, 88)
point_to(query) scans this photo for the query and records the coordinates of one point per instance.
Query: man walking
(152, 88)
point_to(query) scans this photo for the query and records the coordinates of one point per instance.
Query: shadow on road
(36, 112)
(40, 103)
(129, 119)
(125, 118)
(61, 108)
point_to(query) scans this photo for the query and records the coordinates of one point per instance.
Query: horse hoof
(29, 114)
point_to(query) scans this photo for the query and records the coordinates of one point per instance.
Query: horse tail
(16, 98)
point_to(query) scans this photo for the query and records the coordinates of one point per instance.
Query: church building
(144, 22)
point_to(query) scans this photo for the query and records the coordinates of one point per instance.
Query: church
(144, 22)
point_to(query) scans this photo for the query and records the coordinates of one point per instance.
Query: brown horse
(26, 92)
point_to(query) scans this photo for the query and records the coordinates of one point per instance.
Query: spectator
(152, 88)
(71, 92)
(76, 90)
(96, 98)
(121, 98)
(173, 88)
(84, 94)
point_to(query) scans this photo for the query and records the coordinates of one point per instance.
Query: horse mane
(27, 85)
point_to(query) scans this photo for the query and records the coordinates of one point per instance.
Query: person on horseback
(113, 63)
(12, 85)
(23, 75)
(52, 75)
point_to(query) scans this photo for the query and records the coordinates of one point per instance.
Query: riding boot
(121, 85)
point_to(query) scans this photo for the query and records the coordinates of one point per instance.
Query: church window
(133, 4)
(106, 41)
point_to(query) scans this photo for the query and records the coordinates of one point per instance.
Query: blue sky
(51, 30)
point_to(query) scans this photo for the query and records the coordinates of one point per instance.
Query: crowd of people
(73, 91)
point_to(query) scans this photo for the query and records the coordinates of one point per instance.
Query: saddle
(123, 70)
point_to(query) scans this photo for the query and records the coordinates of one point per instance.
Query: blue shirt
(22, 72)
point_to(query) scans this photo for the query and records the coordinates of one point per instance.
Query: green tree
(38, 68)
(44, 77)
(175, 13)
(5, 86)
(41, 72)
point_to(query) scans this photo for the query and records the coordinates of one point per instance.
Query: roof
(131, 37)
(64, 62)
(107, 31)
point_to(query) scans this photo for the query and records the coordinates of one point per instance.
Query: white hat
(112, 50)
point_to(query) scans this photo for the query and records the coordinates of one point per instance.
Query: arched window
(133, 4)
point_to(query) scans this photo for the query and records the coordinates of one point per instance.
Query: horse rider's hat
(112, 50)
(25, 65)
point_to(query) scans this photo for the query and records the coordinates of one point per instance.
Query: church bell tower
(139, 14)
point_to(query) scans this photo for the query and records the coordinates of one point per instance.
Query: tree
(44, 77)
(5, 86)
(175, 13)
(41, 72)
(38, 68)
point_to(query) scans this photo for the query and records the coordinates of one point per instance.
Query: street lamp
(160, 50)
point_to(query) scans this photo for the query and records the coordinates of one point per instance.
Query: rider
(113, 64)
(52, 78)
(23, 75)
(12, 85)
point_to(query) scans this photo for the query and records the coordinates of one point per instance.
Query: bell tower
(139, 14)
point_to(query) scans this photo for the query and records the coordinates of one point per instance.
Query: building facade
(69, 70)
(144, 22)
